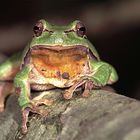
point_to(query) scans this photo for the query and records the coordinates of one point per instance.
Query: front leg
(69, 93)
(103, 73)
(22, 86)
(6, 88)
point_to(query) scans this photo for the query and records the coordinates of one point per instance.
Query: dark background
(112, 26)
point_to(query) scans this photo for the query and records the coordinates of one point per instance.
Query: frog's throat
(69, 50)
(59, 63)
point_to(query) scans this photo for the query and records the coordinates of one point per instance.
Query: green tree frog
(56, 57)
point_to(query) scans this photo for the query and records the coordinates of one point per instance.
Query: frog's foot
(1, 106)
(39, 100)
(6, 88)
(69, 93)
(42, 102)
(88, 88)
(25, 113)
(34, 109)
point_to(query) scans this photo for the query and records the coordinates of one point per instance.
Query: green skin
(101, 73)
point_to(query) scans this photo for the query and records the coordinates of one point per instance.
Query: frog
(56, 57)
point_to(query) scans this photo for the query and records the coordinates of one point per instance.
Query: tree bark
(104, 115)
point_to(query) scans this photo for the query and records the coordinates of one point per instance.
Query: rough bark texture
(102, 116)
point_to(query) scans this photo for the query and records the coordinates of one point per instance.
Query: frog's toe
(86, 93)
(1, 104)
(68, 94)
(25, 113)
(88, 88)
(39, 102)
(1, 108)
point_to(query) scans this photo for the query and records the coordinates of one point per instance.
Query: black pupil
(36, 28)
(82, 30)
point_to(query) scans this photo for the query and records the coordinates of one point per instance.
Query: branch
(102, 116)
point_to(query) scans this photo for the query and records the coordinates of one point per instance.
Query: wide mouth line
(59, 51)
(59, 48)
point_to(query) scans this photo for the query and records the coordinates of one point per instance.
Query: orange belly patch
(64, 64)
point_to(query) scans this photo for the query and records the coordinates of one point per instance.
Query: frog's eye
(38, 29)
(80, 29)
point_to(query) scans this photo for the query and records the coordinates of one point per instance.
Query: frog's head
(71, 35)
(57, 38)
(52, 35)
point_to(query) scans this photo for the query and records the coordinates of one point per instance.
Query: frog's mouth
(59, 49)
(57, 61)
(68, 50)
